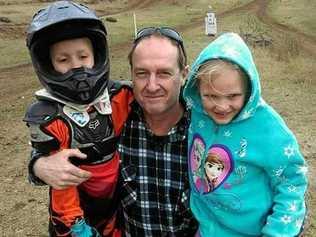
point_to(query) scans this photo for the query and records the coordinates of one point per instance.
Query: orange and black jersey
(52, 130)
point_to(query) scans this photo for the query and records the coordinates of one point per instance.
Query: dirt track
(258, 7)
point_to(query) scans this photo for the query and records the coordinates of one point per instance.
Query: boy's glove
(81, 229)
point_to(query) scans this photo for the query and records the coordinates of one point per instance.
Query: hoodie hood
(229, 47)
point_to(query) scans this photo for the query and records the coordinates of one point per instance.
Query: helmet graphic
(64, 20)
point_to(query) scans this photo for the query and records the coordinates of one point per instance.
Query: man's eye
(164, 74)
(140, 74)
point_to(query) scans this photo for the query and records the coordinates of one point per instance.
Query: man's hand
(58, 172)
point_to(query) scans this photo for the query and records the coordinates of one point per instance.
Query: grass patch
(19, 14)
(299, 15)
(179, 13)
(13, 52)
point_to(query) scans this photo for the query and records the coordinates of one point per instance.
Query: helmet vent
(63, 7)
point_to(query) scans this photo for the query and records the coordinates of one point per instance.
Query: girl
(261, 193)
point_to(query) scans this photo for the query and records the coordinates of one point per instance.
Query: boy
(260, 187)
(68, 47)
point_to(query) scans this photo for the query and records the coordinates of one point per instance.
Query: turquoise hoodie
(260, 191)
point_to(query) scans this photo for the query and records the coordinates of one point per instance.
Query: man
(153, 145)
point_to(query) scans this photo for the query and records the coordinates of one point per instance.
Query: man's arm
(56, 170)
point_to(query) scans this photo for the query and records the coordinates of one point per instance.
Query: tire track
(306, 42)
(19, 30)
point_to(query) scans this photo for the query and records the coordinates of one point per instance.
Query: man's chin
(154, 109)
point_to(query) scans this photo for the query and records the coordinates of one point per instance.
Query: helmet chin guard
(65, 20)
(77, 85)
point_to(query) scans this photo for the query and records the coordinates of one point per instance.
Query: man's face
(156, 75)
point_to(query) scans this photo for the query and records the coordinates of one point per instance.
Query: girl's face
(224, 96)
(213, 170)
(72, 53)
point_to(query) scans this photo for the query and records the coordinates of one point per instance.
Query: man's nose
(152, 83)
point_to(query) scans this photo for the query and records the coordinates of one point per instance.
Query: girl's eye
(213, 97)
(233, 96)
(164, 75)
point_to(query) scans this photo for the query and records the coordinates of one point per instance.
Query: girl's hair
(211, 69)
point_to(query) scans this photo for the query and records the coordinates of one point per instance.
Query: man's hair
(182, 58)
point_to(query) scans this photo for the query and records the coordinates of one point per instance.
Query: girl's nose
(222, 104)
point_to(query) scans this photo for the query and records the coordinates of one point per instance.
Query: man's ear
(185, 73)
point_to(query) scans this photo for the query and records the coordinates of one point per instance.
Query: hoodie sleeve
(289, 183)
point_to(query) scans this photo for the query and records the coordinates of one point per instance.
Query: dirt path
(307, 42)
(258, 7)
(15, 31)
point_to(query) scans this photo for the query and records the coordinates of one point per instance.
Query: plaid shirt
(155, 188)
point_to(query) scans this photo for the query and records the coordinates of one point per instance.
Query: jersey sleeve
(121, 108)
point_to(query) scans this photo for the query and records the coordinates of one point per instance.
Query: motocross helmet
(64, 20)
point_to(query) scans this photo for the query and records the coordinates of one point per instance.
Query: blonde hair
(211, 69)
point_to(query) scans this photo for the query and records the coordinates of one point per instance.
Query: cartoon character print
(209, 168)
(213, 168)
(218, 165)
(196, 153)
